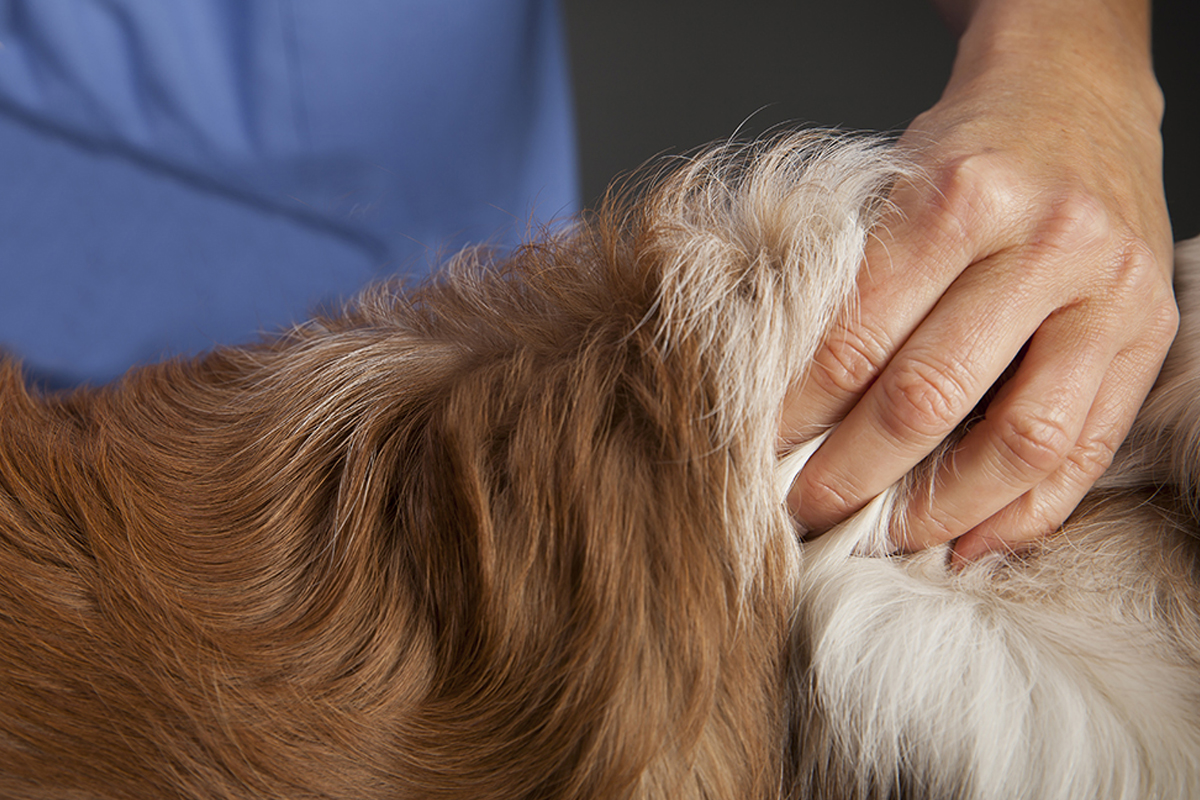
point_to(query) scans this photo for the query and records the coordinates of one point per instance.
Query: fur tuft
(517, 532)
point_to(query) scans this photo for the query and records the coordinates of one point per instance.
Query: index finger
(917, 250)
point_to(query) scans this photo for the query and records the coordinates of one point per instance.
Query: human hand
(1042, 226)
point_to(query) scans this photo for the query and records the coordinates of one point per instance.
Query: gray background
(665, 76)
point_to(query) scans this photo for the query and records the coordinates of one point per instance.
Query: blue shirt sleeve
(185, 173)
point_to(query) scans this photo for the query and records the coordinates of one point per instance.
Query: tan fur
(511, 533)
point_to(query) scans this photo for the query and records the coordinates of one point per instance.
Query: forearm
(1102, 46)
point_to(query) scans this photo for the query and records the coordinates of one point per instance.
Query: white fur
(1073, 673)
(998, 681)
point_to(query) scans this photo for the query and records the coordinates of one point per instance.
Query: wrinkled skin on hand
(1040, 224)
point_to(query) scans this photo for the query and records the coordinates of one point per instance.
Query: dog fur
(519, 532)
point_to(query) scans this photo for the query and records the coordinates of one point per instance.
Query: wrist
(1101, 47)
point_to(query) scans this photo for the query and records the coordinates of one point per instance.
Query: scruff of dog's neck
(519, 532)
(509, 534)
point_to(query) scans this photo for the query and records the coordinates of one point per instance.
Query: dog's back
(519, 532)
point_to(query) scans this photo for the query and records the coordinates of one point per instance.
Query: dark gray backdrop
(665, 76)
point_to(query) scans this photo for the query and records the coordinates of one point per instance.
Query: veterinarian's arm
(1043, 225)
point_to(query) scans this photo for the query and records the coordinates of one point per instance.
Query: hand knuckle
(932, 526)
(824, 498)
(1140, 271)
(1033, 444)
(1078, 222)
(968, 190)
(942, 528)
(981, 176)
(1163, 322)
(1143, 289)
(924, 399)
(849, 361)
(1092, 457)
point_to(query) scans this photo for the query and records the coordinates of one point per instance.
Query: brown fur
(462, 542)
(509, 534)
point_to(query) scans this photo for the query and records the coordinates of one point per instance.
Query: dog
(519, 532)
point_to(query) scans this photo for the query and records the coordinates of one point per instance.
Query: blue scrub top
(176, 174)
